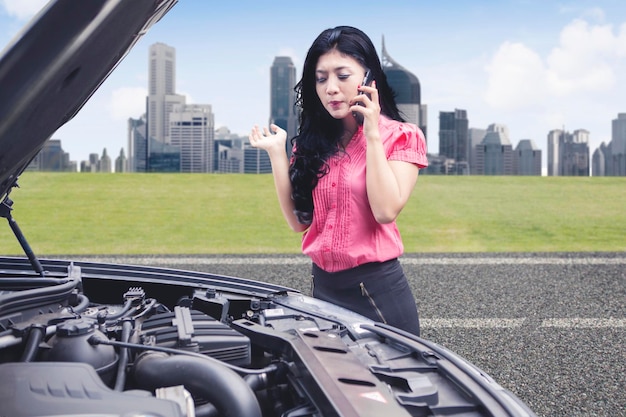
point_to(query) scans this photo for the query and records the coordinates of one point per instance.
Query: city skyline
(531, 66)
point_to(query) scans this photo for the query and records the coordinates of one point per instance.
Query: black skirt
(377, 290)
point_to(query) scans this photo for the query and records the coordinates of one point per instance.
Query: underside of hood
(51, 68)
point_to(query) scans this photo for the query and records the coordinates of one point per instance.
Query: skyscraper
(256, 161)
(91, 165)
(554, 140)
(618, 146)
(407, 88)
(121, 162)
(454, 139)
(527, 158)
(162, 157)
(52, 157)
(475, 136)
(104, 164)
(494, 155)
(575, 156)
(161, 90)
(191, 131)
(568, 153)
(137, 145)
(599, 165)
(179, 136)
(283, 97)
(228, 151)
(618, 133)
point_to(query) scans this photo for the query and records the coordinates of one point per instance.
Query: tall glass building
(407, 89)
(283, 97)
(162, 95)
(475, 136)
(610, 160)
(568, 153)
(162, 157)
(494, 155)
(256, 161)
(52, 157)
(121, 162)
(191, 130)
(454, 139)
(137, 145)
(527, 158)
(616, 164)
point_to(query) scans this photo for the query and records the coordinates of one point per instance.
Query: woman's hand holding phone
(367, 80)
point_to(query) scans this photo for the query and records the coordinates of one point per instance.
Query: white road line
(301, 260)
(584, 323)
(514, 261)
(478, 323)
(172, 260)
(502, 323)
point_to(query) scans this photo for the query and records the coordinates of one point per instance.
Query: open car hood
(55, 64)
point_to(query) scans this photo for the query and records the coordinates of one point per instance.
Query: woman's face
(337, 78)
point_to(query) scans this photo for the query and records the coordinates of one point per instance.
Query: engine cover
(71, 389)
(195, 331)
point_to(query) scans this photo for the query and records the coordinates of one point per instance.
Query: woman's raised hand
(264, 139)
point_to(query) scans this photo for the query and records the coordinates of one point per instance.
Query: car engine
(193, 350)
(82, 338)
(76, 355)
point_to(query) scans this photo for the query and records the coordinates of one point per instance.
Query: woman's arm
(389, 183)
(274, 144)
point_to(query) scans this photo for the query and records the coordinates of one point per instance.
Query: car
(92, 338)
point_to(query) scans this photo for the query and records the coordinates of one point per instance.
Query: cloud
(621, 41)
(516, 77)
(22, 9)
(127, 102)
(586, 59)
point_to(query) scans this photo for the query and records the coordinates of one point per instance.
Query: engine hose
(147, 309)
(35, 336)
(95, 340)
(120, 379)
(221, 386)
(125, 309)
(207, 410)
(83, 303)
(256, 381)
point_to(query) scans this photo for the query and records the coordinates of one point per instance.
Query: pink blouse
(344, 232)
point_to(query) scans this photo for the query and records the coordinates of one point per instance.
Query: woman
(347, 182)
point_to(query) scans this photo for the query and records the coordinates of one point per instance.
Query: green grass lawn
(75, 213)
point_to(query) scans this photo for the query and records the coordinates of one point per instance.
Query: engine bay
(135, 341)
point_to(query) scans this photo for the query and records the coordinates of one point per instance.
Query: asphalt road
(549, 327)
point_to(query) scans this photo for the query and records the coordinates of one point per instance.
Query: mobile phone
(367, 80)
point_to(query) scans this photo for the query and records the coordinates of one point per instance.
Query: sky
(531, 65)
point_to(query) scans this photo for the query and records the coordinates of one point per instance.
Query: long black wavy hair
(319, 134)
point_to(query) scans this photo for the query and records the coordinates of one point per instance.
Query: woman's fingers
(264, 139)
